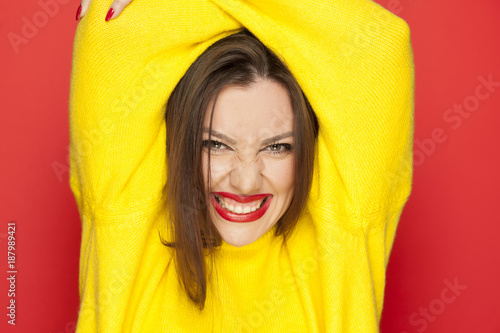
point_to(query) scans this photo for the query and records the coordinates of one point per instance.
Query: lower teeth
(223, 205)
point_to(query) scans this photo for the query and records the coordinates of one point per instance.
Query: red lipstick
(241, 218)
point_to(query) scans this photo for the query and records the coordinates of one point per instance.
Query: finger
(116, 8)
(85, 4)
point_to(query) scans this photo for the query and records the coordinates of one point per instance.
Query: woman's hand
(116, 8)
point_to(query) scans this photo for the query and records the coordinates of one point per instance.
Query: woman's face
(252, 159)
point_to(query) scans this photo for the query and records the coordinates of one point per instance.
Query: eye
(279, 148)
(214, 145)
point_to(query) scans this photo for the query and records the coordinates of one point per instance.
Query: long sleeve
(354, 62)
(122, 74)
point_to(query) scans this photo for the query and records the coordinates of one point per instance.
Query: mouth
(234, 208)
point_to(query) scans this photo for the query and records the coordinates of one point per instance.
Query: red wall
(444, 272)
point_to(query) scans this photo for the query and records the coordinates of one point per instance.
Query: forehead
(252, 113)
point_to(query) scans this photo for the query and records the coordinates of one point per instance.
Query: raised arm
(354, 61)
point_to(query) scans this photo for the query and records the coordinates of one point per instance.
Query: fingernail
(78, 11)
(110, 13)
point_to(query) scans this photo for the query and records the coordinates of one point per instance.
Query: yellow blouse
(353, 60)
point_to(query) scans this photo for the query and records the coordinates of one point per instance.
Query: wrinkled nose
(246, 176)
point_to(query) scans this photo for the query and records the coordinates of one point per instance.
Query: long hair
(239, 59)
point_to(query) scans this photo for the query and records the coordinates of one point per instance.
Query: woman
(255, 166)
(239, 135)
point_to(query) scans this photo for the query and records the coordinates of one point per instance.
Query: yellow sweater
(352, 58)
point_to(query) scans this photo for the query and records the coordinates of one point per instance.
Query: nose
(246, 176)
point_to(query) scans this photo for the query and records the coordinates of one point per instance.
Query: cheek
(219, 167)
(282, 175)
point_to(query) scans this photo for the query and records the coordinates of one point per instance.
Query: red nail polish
(111, 11)
(78, 11)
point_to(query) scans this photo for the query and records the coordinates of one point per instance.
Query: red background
(448, 231)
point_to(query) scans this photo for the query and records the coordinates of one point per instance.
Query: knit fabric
(353, 60)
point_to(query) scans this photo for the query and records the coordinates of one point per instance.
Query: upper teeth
(239, 209)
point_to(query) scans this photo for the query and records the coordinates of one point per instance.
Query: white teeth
(238, 209)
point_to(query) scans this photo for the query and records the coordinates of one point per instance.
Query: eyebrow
(232, 142)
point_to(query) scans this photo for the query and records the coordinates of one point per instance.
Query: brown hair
(239, 59)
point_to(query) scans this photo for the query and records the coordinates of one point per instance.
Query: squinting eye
(213, 144)
(280, 148)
